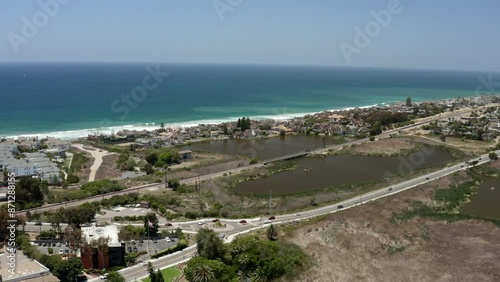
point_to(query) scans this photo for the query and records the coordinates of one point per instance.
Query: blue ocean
(73, 100)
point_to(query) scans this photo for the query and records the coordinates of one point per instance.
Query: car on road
(168, 224)
(201, 222)
(272, 217)
(222, 235)
(340, 207)
(297, 214)
(390, 189)
(168, 239)
(38, 223)
(427, 178)
(216, 220)
(154, 241)
(104, 276)
(243, 221)
(267, 221)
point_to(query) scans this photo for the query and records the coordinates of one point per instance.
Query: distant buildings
(30, 157)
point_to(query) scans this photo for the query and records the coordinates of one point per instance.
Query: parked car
(272, 217)
(135, 249)
(58, 244)
(39, 244)
(243, 221)
(154, 241)
(103, 277)
(61, 252)
(340, 207)
(38, 223)
(168, 239)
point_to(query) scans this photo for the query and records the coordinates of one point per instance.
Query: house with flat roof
(97, 258)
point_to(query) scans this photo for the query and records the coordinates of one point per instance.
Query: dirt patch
(361, 244)
(108, 169)
(390, 146)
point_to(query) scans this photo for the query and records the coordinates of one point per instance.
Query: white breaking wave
(75, 134)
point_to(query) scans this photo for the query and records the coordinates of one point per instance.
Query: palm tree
(272, 234)
(203, 273)
(258, 276)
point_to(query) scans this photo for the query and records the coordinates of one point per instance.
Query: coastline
(72, 135)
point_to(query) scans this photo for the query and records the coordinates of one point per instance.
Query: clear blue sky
(444, 34)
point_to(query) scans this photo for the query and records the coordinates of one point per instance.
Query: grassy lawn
(169, 274)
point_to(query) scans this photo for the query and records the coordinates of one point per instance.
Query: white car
(168, 239)
(103, 277)
(201, 222)
(61, 252)
(267, 221)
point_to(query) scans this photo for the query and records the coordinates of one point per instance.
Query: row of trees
(243, 123)
(162, 157)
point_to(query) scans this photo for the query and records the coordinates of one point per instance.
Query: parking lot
(154, 245)
(58, 247)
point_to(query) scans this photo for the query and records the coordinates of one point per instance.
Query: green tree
(272, 233)
(73, 236)
(493, 156)
(130, 232)
(408, 102)
(68, 270)
(28, 193)
(200, 273)
(159, 276)
(114, 276)
(149, 169)
(210, 246)
(224, 129)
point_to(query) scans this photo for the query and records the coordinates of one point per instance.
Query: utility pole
(270, 191)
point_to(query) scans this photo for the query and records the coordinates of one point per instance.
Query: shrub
(71, 179)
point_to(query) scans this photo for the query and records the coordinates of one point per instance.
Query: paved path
(97, 155)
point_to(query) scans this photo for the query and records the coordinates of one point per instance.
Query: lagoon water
(72, 100)
(319, 173)
(486, 202)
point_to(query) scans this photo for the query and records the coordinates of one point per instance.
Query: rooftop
(95, 232)
(26, 269)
